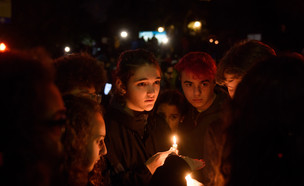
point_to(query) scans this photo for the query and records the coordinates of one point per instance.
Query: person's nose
(197, 90)
(151, 90)
(103, 151)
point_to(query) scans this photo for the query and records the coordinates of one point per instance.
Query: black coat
(173, 172)
(200, 133)
(132, 138)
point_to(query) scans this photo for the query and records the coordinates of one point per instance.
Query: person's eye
(188, 84)
(205, 84)
(141, 84)
(157, 82)
(174, 117)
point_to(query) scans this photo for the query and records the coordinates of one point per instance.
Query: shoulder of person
(222, 96)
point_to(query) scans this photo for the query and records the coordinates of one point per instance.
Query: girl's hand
(157, 160)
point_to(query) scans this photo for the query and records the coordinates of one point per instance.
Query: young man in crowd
(200, 131)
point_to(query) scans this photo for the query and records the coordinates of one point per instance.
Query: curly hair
(79, 113)
(99, 176)
(79, 70)
(197, 63)
(241, 57)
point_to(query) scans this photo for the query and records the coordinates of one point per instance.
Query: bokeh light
(67, 49)
(160, 29)
(124, 34)
(2, 47)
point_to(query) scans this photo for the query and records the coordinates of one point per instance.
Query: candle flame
(189, 180)
(192, 182)
(188, 177)
(174, 140)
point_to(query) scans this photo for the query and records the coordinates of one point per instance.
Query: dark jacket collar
(131, 119)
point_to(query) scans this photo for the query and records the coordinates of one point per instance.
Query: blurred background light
(107, 88)
(2, 47)
(160, 29)
(67, 49)
(147, 35)
(165, 40)
(124, 34)
(197, 24)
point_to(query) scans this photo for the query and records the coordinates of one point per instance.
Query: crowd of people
(228, 122)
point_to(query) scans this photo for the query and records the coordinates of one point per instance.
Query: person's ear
(120, 87)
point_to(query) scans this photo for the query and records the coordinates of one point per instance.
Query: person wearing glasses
(80, 74)
(32, 120)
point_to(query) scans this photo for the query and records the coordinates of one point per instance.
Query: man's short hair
(197, 63)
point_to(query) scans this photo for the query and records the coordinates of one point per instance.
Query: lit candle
(189, 179)
(174, 146)
(174, 142)
(192, 182)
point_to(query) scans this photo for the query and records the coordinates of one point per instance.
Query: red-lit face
(55, 112)
(231, 82)
(169, 73)
(171, 114)
(143, 88)
(199, 90)
(96, 145)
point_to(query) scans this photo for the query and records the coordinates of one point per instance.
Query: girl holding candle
(137, 141)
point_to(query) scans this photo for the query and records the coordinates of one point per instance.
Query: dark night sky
(55, 22)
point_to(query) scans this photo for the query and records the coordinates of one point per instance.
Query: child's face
(231, 82)
(169, 73)
(171, 115)
(96, 145)
(143, 88)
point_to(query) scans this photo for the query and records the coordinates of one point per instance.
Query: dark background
(55, 23)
